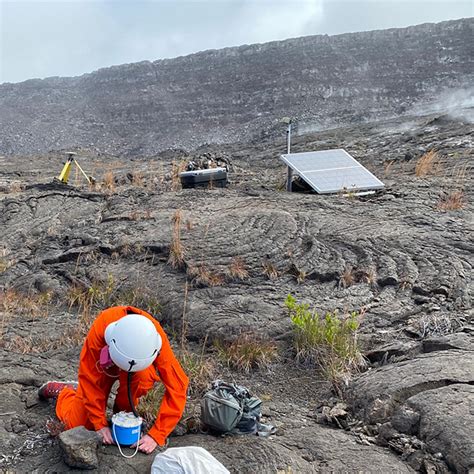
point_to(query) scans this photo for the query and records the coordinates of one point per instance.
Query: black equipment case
(204, 178)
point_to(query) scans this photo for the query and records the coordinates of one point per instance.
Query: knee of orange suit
(71, 411)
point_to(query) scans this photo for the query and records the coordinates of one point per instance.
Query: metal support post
(289, 177)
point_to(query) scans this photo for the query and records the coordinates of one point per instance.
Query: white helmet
(134, 342)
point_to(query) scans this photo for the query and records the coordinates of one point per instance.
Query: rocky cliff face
(237, 93)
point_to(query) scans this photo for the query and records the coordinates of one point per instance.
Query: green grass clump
(329, 342)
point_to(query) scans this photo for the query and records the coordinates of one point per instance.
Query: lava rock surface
(397, 254)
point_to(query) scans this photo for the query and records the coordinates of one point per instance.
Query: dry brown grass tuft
(387, 168)
(84, 300)
(347, 277)
(269, 270)
(20, 345)
(40, 345)
(108, 181)
(134, 215)
(201, 370)
(137, 215)
(54, 427)
(201, 276)
(149, 404)
(5, 263)
(89, 300)
(176, 255)
(428, 164)
(238, 269)
(297, 272)
(138, 179)
(301, 277)
(16, 187)
(371, 276)
(33, 305)
(405, 284)
(73, 336)
(453, 201)
(176, 168)
(368, 275)
(30, 305)
(247, 352)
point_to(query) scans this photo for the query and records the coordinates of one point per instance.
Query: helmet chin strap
(129, 387)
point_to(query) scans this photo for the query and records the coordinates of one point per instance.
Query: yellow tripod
(64, 175)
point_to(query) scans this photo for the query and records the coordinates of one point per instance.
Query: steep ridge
(237, 93)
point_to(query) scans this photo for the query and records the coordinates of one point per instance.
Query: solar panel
(331, 171)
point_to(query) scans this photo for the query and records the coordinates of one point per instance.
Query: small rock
(419, 290)
(80, 447)
(406, 420)
(429, 467)
(386, 433)
(321, 419)
(415, 460)
(379, 411)
(32, 400)
(340, 411)
(19, 427)
(29, 422)
(421, 299)
(180, 430)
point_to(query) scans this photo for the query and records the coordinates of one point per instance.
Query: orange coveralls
(86, 406)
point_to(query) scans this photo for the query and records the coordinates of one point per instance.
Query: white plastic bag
(187, 460)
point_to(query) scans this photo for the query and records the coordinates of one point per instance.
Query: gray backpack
(229, 408)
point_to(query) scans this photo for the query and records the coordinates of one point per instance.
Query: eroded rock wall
(236, 93)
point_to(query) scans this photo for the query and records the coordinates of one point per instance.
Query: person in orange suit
(126, 344)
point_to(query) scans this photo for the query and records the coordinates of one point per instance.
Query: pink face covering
(104, 360)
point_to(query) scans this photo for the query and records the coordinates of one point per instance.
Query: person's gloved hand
(146, 444)
(106, 434)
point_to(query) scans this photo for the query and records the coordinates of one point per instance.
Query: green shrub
(328, 342)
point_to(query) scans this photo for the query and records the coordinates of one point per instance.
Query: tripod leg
(64, 175)
(89, 180)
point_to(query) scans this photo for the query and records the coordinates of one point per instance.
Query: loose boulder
(80, 448)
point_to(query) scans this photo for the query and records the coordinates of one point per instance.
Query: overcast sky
(71, 37)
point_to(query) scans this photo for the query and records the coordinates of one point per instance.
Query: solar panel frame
(332, 171)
